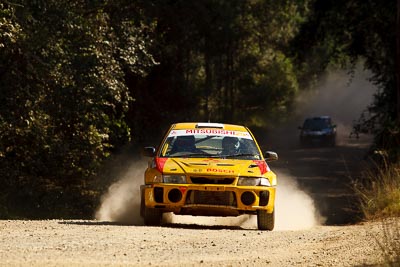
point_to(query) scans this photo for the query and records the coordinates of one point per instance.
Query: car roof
(319, 118)
(208, 125)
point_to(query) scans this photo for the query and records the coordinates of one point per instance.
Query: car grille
(224, 198)
(207, 180)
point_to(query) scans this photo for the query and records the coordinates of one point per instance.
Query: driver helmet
(230, 145)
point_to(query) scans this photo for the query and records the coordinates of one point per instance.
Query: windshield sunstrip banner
(210, 132)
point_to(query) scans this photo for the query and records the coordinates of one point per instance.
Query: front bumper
(208, 200)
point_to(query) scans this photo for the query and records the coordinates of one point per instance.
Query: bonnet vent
(209, 125)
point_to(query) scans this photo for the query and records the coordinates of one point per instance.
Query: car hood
(226, 167)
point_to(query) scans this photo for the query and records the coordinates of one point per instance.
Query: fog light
(175, 195)
(247, 198)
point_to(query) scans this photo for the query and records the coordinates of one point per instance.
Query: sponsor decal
(210, 132)
(262, 165)
(160, 162)
(218, 170)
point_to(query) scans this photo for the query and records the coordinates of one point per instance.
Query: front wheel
(152, 216)
(265, 220)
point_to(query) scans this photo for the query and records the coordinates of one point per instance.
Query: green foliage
(63, 98)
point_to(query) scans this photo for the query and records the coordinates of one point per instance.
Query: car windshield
(316, 124)
(230, 144)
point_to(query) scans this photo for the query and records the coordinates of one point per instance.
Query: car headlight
(246, 181)
(174, 179)
(264, 182)
(252, 181)
(157, 178)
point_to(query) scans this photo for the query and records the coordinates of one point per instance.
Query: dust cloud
(121, 203)
(295, 209)
(340, 95)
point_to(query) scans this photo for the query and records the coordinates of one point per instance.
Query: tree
(63, 100)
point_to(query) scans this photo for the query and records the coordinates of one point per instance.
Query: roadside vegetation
(379, 193)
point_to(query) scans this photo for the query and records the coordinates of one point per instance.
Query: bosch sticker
(219, 170)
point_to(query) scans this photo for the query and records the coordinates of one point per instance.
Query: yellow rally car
(209, 169)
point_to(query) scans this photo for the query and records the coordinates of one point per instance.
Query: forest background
(84, 81)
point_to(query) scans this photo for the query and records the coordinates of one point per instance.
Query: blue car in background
(318, 131)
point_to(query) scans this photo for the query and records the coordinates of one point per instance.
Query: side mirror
(270, 156)
(149, 151)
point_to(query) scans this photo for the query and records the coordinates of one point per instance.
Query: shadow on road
(169, 225)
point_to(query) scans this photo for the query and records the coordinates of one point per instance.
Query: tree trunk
(398, 60)
(208, 85)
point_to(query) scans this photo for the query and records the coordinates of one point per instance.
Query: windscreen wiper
(193, 155)
(239, 155)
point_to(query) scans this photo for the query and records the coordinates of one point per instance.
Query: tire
(265, 220)
(142, 204)
(152, 217)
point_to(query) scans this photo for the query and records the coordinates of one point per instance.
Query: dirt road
(318, 177)
(91, 243)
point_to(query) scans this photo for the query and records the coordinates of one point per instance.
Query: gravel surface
(93, 243)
